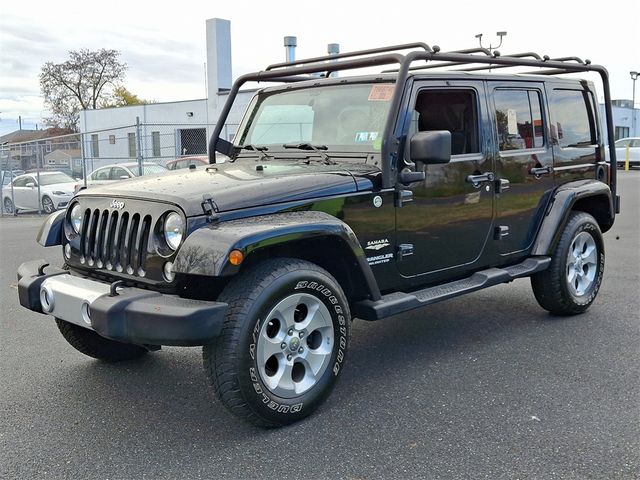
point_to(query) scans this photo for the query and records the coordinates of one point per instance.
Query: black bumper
(133, 315)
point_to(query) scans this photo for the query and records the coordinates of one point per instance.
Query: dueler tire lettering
(233, 363)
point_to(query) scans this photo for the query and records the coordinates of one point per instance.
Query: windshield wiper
(259, 149)
(316, 148)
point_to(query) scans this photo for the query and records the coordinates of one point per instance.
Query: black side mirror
(431, 147)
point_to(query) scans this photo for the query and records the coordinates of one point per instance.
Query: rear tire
(8, 206)
(283, 342)
(93, 345)
(572, 281)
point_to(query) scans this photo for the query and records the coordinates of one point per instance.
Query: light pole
(491, 47)
(634, 77)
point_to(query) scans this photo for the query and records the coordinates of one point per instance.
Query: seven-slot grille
(115, 240)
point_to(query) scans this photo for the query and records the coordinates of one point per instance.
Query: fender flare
(206, 251)
(563, 202)
(50, 233)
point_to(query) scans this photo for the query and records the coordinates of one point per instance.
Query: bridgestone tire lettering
(231, 363)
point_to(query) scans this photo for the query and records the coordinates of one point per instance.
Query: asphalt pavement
(483, 386)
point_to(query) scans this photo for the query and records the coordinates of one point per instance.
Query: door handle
(476, 180)
(539, 171)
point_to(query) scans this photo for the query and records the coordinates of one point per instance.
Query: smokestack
(290, 44)
(333, 49)
(218, 59)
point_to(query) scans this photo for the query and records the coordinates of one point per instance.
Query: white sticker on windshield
(362, 137)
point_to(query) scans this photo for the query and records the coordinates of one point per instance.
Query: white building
(171, 129)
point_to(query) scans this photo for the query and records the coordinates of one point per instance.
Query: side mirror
(124, 177)
(431, 147)
(30, 185)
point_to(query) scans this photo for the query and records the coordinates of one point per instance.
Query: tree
(78, 84)
(121, 97)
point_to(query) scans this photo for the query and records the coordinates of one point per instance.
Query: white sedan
(56, 190)
(120, 171)
(633, 143)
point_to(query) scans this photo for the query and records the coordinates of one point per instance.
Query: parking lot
(483, 386)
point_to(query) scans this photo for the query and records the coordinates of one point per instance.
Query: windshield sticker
(381, 93)
(362, 137)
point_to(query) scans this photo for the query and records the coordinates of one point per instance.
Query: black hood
(244, 184)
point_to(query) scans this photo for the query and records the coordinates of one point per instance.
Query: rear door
(27, 196)
(524, 164)
(445, 227)
(19, 192)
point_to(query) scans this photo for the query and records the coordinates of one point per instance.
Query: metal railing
(80, 154)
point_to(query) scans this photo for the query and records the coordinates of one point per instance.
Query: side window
(452, 110)
(102, 174)
(31, 180)
(573, 119)
(118, 172)
(131, 138)
(518, 119)
(20, 182)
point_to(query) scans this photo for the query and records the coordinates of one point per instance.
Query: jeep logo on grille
(116, 204)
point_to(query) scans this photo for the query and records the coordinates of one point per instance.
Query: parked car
(634, 151)
(186, 162)
(120, 171)
(56, 189)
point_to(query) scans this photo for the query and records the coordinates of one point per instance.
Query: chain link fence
(27, 169)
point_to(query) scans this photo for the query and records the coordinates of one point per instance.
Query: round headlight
(75, 218)
(173, 230)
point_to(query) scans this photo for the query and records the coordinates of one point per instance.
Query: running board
(399, 302)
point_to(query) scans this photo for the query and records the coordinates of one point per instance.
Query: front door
(446, 225)
(524, 174)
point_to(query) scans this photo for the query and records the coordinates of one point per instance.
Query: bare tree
(78, 84)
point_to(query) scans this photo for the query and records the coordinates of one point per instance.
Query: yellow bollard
(626, 159)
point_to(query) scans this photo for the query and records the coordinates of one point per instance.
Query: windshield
(340, 117)
(55, 178)
(151, 169)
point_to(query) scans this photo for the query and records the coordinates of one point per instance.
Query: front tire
(93, 345)
(47, 205)
(283, 342)
(572, 281)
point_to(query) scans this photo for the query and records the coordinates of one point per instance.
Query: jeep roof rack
(294, 71)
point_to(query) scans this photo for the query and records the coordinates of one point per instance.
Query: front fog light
(169, 274)
(85, 312)
(46, 299)
(173, 230)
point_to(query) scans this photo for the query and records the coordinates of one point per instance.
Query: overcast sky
(164, 47)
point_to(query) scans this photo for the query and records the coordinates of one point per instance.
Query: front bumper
(125, 314)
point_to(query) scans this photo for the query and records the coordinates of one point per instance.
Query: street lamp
(634, 77)
(491, 47)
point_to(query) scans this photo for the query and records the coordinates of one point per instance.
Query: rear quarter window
(573, 121)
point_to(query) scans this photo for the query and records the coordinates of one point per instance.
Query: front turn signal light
(236, 257)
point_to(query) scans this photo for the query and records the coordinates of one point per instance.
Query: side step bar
(399, 302)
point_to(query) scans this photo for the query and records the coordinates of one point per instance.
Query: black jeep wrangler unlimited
(341, 197)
